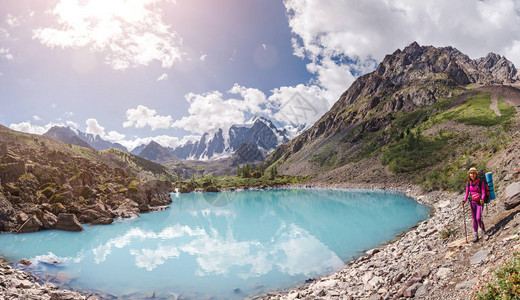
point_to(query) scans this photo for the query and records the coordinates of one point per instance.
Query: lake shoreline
(410, 191)
(412, 265)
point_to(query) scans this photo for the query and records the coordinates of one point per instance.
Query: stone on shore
(49, 220)
(102, 221)
(31, 225)
(68, 222)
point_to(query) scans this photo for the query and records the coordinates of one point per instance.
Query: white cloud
(143, 116)
(377, 27)
(203, 57)
(36, 118)
(94, 128)
(4, 33)
(301, 104)
(114, 136)
(210, 111)
(6, 53)
(72, 124)
(69, 114)
(164, 76)
(12, 21)
(31, 128)
(131, 33)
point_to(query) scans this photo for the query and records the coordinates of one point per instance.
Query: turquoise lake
(226, 245)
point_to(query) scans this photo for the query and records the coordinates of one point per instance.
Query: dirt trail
(494, 104)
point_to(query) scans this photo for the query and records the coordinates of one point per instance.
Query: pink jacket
(475, 187)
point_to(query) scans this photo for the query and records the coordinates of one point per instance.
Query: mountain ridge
(414, 78)
(76, 137)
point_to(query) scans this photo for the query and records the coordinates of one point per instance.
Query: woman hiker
(476, 191)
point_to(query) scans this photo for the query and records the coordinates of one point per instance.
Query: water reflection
(274, 239)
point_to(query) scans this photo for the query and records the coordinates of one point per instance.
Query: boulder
(49, 220)
(31, 225)
(512, 195)
(102, 221)
(410, 292)
(24, 262)
(479, 257)
(144, 208)
(22, 217)
(68, 222)
(90, 215)
(127, 209)
(443, 273)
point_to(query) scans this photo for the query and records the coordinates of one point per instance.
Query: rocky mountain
(66, 135)
(259, 131)
(157, 153)
(73, 136)
(43, 181)
(247, 153)
(408, 88)
(138, 149)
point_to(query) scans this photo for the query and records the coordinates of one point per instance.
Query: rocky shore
(421, 264)
(18, 284)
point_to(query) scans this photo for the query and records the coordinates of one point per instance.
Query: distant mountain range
(73, 136)
(260, 135)
(259, 131)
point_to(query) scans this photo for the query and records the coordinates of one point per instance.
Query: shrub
(448, 232)
(414, 152)
(504, 285)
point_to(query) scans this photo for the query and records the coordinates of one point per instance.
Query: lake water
(227, 245)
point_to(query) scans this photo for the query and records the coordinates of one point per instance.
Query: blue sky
(136, 70)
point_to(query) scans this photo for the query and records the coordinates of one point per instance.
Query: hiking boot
(485, 235)
(476, 238)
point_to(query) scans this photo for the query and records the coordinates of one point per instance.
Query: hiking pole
(464, 216)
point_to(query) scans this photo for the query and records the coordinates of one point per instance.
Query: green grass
(477, 111)
(448, 232)
(326, 156)
(415, 152)
(452, 175)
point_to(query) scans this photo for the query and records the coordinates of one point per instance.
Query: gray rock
(68, 222)
(442, 273)
(466, 285)
(479, 257)
(49, 220)
(31, 225)
(25, 262)
(102, 221)
(421, 292)
(512, 195)
(410, 292)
